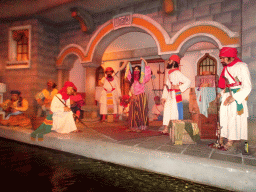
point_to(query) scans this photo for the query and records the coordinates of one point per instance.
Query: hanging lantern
(168, 6)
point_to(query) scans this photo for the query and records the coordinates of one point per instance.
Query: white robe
(170, 106)
(233, 126)
(63, 122)
(103, 97)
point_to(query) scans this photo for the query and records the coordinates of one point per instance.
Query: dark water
(30, 168)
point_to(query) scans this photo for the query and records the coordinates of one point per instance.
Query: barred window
(19, 47)
(21, 38)
(207, 65)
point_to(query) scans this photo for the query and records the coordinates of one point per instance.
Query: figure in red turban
(61, 117)
(176, 83)
(63, 120)
(109, 99)
(236, 84)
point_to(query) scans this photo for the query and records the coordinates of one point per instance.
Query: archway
(91, 57)
(166, 45)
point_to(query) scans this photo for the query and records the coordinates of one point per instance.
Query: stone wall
(48, 41)
(226, 12)
(249, 48)
(44, 50)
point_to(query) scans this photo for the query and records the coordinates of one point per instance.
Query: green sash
(240, 108)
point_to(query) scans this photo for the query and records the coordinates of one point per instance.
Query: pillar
(90, 75)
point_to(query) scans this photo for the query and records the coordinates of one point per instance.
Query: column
(90, 85)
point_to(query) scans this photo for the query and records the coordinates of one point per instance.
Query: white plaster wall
(76, 75)
(131, 41)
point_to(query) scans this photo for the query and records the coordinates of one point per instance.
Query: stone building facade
(209, 24)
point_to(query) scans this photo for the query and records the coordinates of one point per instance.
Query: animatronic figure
(176, 83)
(44, 98)
(77, 102)
(63, 120)
(16, 106)
(110, 95)
(60, 118)
(157, 110)
(236, 84)
(138, 111)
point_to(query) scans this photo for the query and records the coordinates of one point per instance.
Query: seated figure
(44, 98)
(15, 108)
(60, 118)
(63, 121)
(76, 102)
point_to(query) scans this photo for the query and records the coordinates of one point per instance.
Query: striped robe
(115, 96)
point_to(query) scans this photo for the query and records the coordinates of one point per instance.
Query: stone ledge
(231, 176)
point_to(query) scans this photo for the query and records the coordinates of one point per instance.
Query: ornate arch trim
(166, 45)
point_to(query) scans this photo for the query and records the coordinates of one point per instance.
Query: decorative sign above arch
(124, 20)
(165, 45)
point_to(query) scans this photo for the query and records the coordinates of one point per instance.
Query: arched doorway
(91, 58)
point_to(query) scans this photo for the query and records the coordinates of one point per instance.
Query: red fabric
(227, 52)
(172, 70)
(125, 100)
(63, 91)
(175, 58)
(156, 98)
(110, 78)
(109, 69)
(136, 75)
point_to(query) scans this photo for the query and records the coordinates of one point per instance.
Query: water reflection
(30, 168)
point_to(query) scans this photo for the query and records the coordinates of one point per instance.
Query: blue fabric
(180, 110)
(207, 94)
(160, 117)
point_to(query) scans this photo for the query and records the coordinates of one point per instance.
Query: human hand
(163, 101)
(175, 87)
(144, 61)
(229, 100)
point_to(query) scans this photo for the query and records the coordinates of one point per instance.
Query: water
(30, 168)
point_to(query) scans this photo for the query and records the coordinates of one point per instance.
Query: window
(19, 47)
(207, 65)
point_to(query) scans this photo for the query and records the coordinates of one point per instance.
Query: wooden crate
(186, 139)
